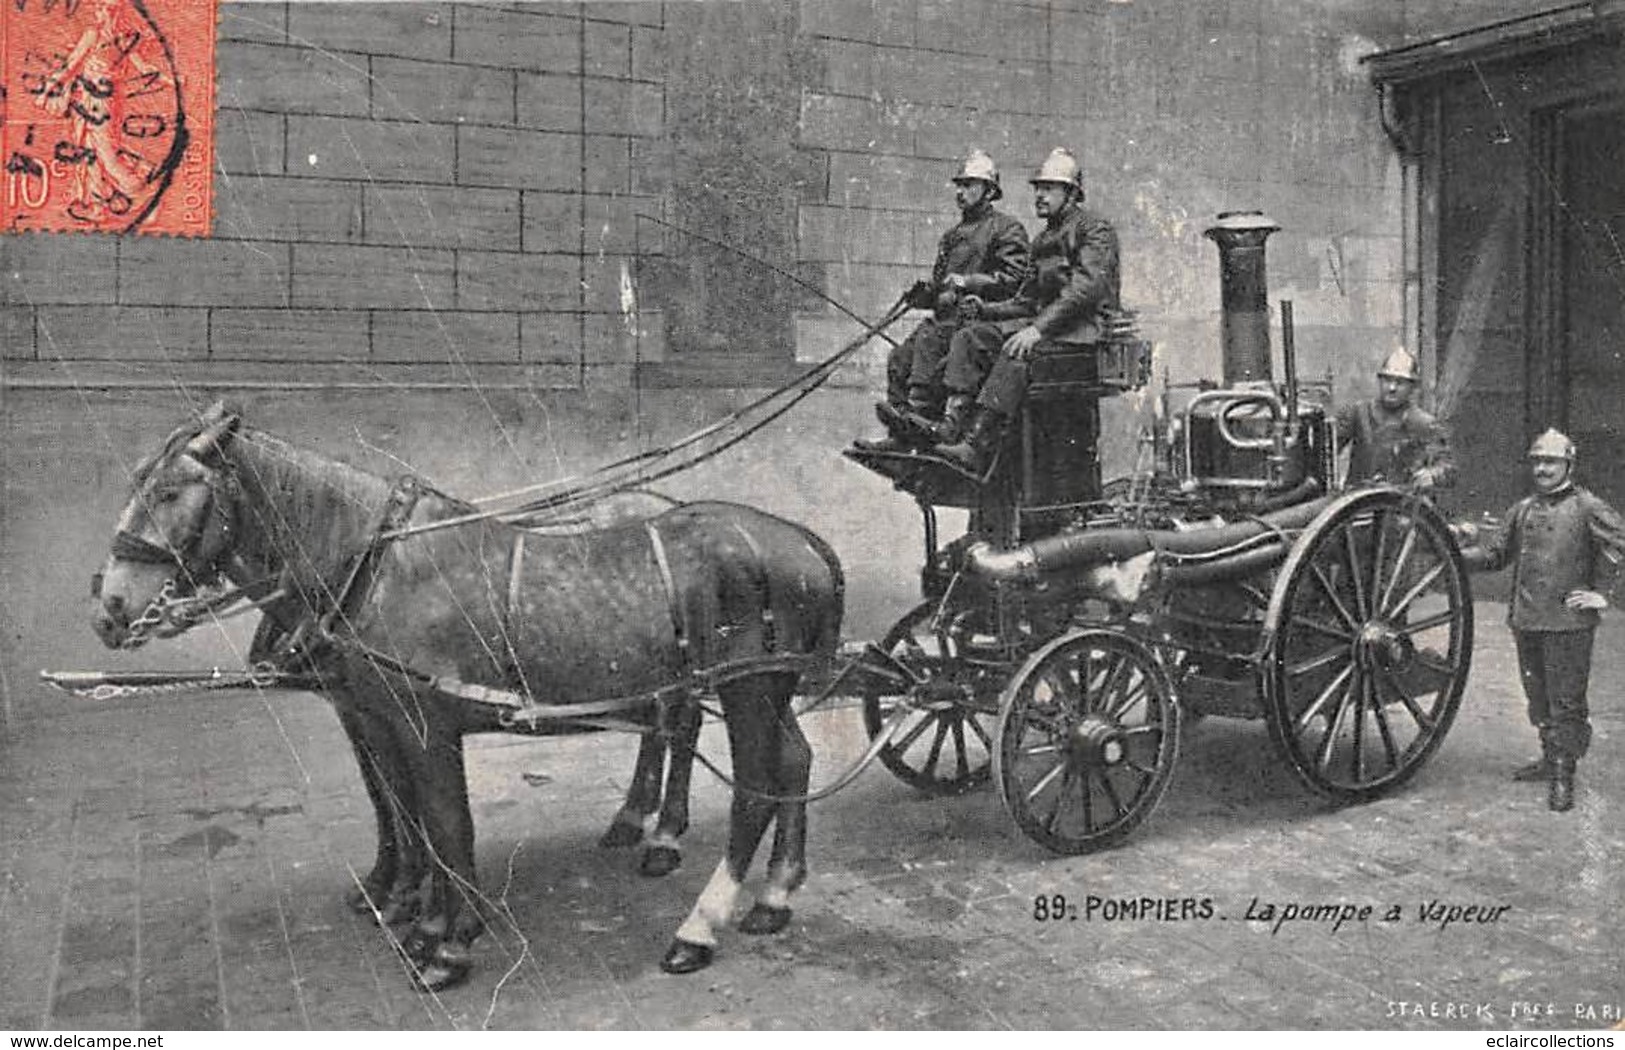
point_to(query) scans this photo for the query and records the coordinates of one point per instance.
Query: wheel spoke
(1406, 548)
(1053, 823)
(981, 733)
(1416, 591)
(1048, 778)
(1387, 733)
(1353, 558)
(1315, 663)
(1423, 719)
(936, 746)
(1319, 575)
(1132, 695)
(962, 753)
(1324, 628)
(1427, 623)
(1111, 794)
(926, 719)
(1379, 525)
(1310, 712)
(1328, 743)
(1360, 698)
(1118, 666)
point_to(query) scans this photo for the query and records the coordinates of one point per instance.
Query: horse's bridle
(177, 602)
(186, 557)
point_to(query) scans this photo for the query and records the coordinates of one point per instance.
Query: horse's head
(174, 536)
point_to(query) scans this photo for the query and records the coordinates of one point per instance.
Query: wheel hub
(1378, 644)
(1096, 744)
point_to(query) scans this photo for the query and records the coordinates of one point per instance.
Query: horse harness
(519, 710)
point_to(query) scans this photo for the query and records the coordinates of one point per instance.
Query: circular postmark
(93, 123)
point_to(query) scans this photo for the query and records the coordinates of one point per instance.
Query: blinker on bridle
(127, 546)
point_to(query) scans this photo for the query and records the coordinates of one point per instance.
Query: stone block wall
(424, 188)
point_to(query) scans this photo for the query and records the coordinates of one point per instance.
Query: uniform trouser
(1556, 668)
(978, 367)
(914, 368)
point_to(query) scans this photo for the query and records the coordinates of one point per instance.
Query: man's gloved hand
(970, 308)
(1020, 345)
(946, 301)
(1579, 600)
(921, 295)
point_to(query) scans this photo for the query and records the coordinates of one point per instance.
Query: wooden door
(1591, 238)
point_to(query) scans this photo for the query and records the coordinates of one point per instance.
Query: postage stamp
(107, 115)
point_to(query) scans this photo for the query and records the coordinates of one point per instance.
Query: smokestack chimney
(1240, 236)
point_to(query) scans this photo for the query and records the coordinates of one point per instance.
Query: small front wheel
(1088, 736)
(944, 747)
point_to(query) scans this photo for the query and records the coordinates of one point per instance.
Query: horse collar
(403, 499)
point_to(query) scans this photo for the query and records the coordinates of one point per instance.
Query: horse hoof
(398, 911)
(621, 835)
(438, 976)
(420, 947)
(360, 900)
(764, 918)
(686, 957)
(659, 861)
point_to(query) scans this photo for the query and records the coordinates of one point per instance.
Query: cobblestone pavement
(179, 863)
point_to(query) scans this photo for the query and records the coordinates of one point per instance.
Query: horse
(648, 795)
(422, 621)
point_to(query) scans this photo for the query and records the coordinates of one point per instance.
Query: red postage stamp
(107, 115)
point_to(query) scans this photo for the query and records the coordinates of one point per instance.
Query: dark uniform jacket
(1391, 446)
(1564, 541)
(989, 248)
(1074, 281)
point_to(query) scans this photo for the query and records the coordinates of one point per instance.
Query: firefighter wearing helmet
(1392, 440)
(1070, 291)
(985, 256)
(1564, 545)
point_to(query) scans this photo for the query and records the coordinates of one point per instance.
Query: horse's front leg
(441, 942)
(392, 889)
(663, 854)
(642, 796)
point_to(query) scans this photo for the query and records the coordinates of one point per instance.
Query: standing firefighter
(1070, 291)
(1565, 546)
(1392, 439)
(984, 256)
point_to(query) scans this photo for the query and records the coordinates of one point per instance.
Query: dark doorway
(1591, 328)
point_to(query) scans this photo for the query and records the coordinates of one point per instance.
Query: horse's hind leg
(662, 855)
(787, 865)
(752, 737)
(642, 797)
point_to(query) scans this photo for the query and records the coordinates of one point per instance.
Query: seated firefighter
(985, 256)
(1391, 439)
(1066, 301)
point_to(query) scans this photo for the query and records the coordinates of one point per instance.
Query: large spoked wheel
(1088, 738)
(1367, 643)
(944, 745)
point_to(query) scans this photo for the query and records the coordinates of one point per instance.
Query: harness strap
(764, 588)
(403, 498)
(674, 604)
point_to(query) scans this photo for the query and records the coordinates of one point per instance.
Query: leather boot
(1561, 796)
(954, 419)
(897, 439)
(1539, 769)
(982, 437)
